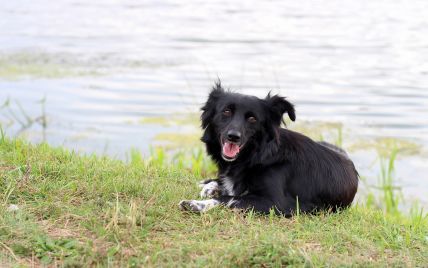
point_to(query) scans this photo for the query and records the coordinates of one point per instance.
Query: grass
(79, 210)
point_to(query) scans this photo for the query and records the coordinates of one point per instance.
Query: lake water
(101, 66)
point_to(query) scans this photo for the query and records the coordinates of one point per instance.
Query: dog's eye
(227, 112)
(251, 119)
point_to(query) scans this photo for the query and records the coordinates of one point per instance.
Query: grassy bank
(87, 210)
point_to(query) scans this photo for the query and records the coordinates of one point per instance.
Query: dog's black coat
(276, 168)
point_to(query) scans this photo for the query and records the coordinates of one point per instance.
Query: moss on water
(384, 145)
(40, 65)
(156, 120)
(190, 119)
(15, 71)
(175, 140)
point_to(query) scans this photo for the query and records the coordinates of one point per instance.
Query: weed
(17, 114)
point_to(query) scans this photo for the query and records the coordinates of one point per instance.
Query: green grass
(94, 211)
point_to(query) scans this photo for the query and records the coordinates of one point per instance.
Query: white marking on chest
(228, 186)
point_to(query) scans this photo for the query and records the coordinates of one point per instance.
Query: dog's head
(235, 122)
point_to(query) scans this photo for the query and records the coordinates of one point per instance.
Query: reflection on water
(103, 65)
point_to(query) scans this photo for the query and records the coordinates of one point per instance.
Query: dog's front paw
(210, 189)
(198, 205)
(190, 205)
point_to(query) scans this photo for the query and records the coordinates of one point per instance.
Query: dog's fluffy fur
(263, 166)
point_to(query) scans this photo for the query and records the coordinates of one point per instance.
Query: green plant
(21, 116)
(391, 194)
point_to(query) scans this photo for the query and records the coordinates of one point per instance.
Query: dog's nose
(233, 135)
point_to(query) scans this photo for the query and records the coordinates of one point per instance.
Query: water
(104, 65)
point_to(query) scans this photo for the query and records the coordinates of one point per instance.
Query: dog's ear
(277, 106)
(208, 110)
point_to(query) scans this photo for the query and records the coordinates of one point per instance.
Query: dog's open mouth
(230, 151)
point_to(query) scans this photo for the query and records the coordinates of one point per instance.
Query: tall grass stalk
(391, 194)
(24, 120)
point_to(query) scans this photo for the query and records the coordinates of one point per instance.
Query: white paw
(198, 205)
(210, 189)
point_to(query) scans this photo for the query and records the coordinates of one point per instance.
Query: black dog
(263, 166)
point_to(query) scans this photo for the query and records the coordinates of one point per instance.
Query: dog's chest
(232, 187)
(228, 186)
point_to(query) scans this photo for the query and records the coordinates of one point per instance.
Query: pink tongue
(230, 149)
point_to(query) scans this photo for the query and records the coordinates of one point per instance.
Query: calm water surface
(104, 65)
